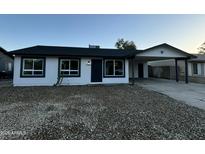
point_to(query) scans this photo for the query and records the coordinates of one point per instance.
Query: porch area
(139, 64)
(139, 68)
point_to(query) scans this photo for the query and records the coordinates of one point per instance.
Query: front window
(195, 68)
(69, 67)
(33, 67)
(114, 67)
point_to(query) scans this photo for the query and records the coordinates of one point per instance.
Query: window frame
(197, 71)
(22, 75)
(69, 75)
(113, 76)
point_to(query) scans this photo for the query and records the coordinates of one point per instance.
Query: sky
(186, 32)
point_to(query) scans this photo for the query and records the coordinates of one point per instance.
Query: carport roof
(167, 46)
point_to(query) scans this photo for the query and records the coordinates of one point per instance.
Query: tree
(202, 48)
(125, 45)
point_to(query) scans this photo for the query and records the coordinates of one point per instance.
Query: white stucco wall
(85, 75)
(145, 71)
(51, 75)
(200, 67)
(119, 80)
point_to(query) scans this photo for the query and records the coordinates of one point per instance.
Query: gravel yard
(96, 112)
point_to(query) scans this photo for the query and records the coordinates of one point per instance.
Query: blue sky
(183, 31)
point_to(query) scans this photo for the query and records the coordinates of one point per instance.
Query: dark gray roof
(199, 58)
(5, 52)
(86, 52)
(72, 51)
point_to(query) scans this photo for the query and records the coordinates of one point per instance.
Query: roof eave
(66, 55)
(6, 53)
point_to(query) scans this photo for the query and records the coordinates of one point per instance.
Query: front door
(140, 71)
(96, 70)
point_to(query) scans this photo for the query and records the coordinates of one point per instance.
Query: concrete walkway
(192, 93)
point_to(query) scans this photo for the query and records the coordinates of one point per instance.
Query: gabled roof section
(168, 46)
(5, 52)
(73, 51)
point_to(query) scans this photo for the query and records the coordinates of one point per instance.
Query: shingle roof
(72, 51)
(199, 58)
(5, 52)
(41, 50)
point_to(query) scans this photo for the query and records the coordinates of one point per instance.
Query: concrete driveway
(192, 93)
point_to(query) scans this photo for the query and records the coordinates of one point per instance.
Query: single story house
(196, 68)
(52, 65)
(6, 64)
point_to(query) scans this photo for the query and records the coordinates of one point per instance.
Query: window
(114, 68)
(33, 67)
(195, 68)
(70, 67)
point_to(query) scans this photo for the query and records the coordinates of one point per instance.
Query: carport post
(176, 69)
(186, 71)
(133, 77)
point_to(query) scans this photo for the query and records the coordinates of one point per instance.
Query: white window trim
(114, 75)
(33, 70)
(69, 70)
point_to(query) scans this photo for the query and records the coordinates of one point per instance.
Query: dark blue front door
(96, 70)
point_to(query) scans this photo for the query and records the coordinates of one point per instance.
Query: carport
(157, 53)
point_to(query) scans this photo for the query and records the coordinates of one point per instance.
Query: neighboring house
(6, 64)
(196, 69)
(51, 65)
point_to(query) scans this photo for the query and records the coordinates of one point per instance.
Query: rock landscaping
(96, 112)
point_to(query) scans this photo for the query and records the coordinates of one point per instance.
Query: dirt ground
(96, 112)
